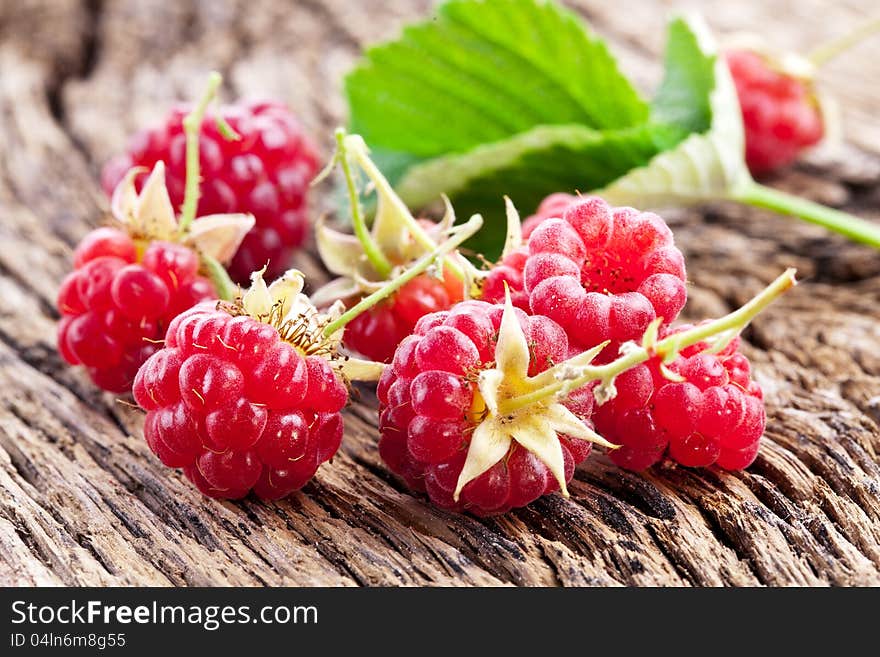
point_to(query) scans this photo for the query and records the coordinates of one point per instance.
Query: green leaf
(515, 97)
(570, 157)
(683, 97)
(703, 166)
(484, 71)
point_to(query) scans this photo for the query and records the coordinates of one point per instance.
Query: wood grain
(83, 501)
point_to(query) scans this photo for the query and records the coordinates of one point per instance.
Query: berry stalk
(191, 125)
(569, 375)
(226, 289)
(458, 235)
(855, 228)
(828, 51)
(371, 249)
(354, 145)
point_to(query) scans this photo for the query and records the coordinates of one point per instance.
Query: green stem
(855, 228)
(226, 289)
(420, 235)
(737, 320)
(460, 233)
(192, 124)
(374, 254)
(828, 51)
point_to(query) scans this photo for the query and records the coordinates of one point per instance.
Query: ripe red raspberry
(439, 431)
(601, 273)
(781, 114)
(714, 416)
(265, 173)
(507, 274)
(552, 206)
(116, 305)
(127, 285)
(377, 332)
(242, 404)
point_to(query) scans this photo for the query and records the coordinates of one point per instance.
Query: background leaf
(484, 71)
(517, 97)
(689, 78)
(525, 167)
(703, 166)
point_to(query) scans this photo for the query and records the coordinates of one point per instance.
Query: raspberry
(246, 395)
(436, 401)
(115, 306)
(377, 332)
(552, 206)
(127, 285)
(714, 416)
(781, 115)
(601, 273)
(242, 405)
(265, 173)
(507, 274)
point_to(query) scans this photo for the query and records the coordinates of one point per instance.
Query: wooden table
(83, 501)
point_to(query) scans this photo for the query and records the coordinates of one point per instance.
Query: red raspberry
(601, 273)
(551, 207)
(507, 275)
(431, 407)
(266, 173)
(377, 332)
(781, 115)
(237, 406)
(715, 416)
(116, 304)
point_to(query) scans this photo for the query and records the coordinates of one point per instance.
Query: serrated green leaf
(484, 71)
(703, 166)
(513, 97)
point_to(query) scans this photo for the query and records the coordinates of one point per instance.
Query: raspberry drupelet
(781, 112)
(713, 415)
(265, 172)
(441, 427)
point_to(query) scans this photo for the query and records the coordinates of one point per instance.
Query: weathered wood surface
(83, 501)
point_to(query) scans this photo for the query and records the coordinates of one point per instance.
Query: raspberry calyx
(537, 426)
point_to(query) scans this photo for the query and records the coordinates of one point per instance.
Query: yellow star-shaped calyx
(535, 425)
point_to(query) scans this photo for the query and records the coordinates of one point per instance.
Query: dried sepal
(284, 306)
(150, 215)
(219, 235)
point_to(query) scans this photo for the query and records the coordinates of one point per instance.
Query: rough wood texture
(83, 501)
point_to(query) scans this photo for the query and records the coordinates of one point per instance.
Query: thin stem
(420, 235)
(855, 228)
(226, 289)
(737, 320)
(460, 233)
(374, 254)
(192, 124)
(828, 51)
